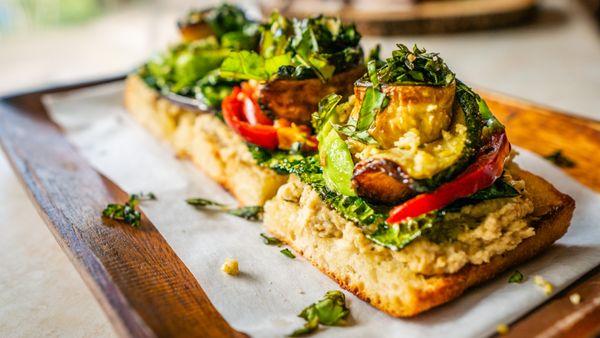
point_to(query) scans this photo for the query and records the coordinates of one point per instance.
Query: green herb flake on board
(124, 212)
(330, 311)
(560, 160)
(516, 277)
(286, 252)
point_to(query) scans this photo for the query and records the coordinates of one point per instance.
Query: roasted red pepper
(479, 175)
(242, 113)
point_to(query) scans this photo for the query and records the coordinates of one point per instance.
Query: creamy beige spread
(501, 225)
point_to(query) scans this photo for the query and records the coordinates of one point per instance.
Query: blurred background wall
(554, 60)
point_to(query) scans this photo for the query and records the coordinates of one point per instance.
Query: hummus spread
(499, 226)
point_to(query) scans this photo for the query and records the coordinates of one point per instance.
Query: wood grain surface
(389, 17)
(147, 291)
(143, 286)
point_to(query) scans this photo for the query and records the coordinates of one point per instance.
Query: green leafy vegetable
(415, 66)
(181, 67)
(326, 110)
(397, 236)
(331, 311)
(560, 160)
(270, 240)
(251, 213)
(286, 252)
(124, 212)
(516, 277)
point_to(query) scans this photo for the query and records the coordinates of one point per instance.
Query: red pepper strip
(479, 175)
(245, 120)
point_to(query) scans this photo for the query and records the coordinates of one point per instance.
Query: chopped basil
(331, 311)
(124, 212)
(270, 240)
(415, 66)
(145, 196)
(251, 213)
(516, 277)
(560, 160)
(288, 253)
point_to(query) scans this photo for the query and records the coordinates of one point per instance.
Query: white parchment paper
(272, 289)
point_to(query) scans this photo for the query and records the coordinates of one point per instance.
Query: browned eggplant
(194, 27)
(380, 180)
(296, 100)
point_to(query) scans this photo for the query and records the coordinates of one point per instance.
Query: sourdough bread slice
(206, 140)
(340, 249)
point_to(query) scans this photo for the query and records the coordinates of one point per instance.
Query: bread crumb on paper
(544, 284)
(502, 329)
(231, 267)
(575, 299)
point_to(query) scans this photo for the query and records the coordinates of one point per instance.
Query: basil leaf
(560, 160)
(373, 102)
(270, 240)
(331, 311)
(124, 212)
(325, 111)
(516, 277)
(286, 252)
(244, 65)
(251, 213)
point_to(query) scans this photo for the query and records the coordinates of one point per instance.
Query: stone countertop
(555, 61)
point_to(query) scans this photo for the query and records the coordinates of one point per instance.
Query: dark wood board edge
(139, 281)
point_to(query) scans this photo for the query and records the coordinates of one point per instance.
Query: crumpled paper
(272, 289)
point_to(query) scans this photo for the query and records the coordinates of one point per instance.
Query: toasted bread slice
(374, 274)
(206, 140)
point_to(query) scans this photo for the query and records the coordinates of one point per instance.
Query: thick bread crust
(414, 293)
(206, 140)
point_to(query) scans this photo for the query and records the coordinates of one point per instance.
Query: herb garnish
(251, 213)
(331, 311)
(270, 240)
(560, 160)
(415, 66)
(516, 277)
(288, 253)
(142, 196)
(124, 212)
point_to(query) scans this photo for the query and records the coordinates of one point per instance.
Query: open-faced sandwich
(413, 196)
(233, 88)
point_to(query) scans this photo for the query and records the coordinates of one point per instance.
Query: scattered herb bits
(331, 311)
(288, 253)
(251, 213)
(560, 160)
(124, 212)
(145, 196)
(516, 277)
(270, 240)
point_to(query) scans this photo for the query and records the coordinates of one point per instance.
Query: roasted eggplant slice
(194, 26)
(380, 180)
(296, 100)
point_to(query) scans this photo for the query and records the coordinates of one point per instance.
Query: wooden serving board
(147, 291)
(394, 17)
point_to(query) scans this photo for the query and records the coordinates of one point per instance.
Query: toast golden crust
(204, 139)
(339, 258)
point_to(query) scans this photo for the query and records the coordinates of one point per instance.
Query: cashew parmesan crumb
(230, 267)
(575, 299)
(502, 328)
(544, 284)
